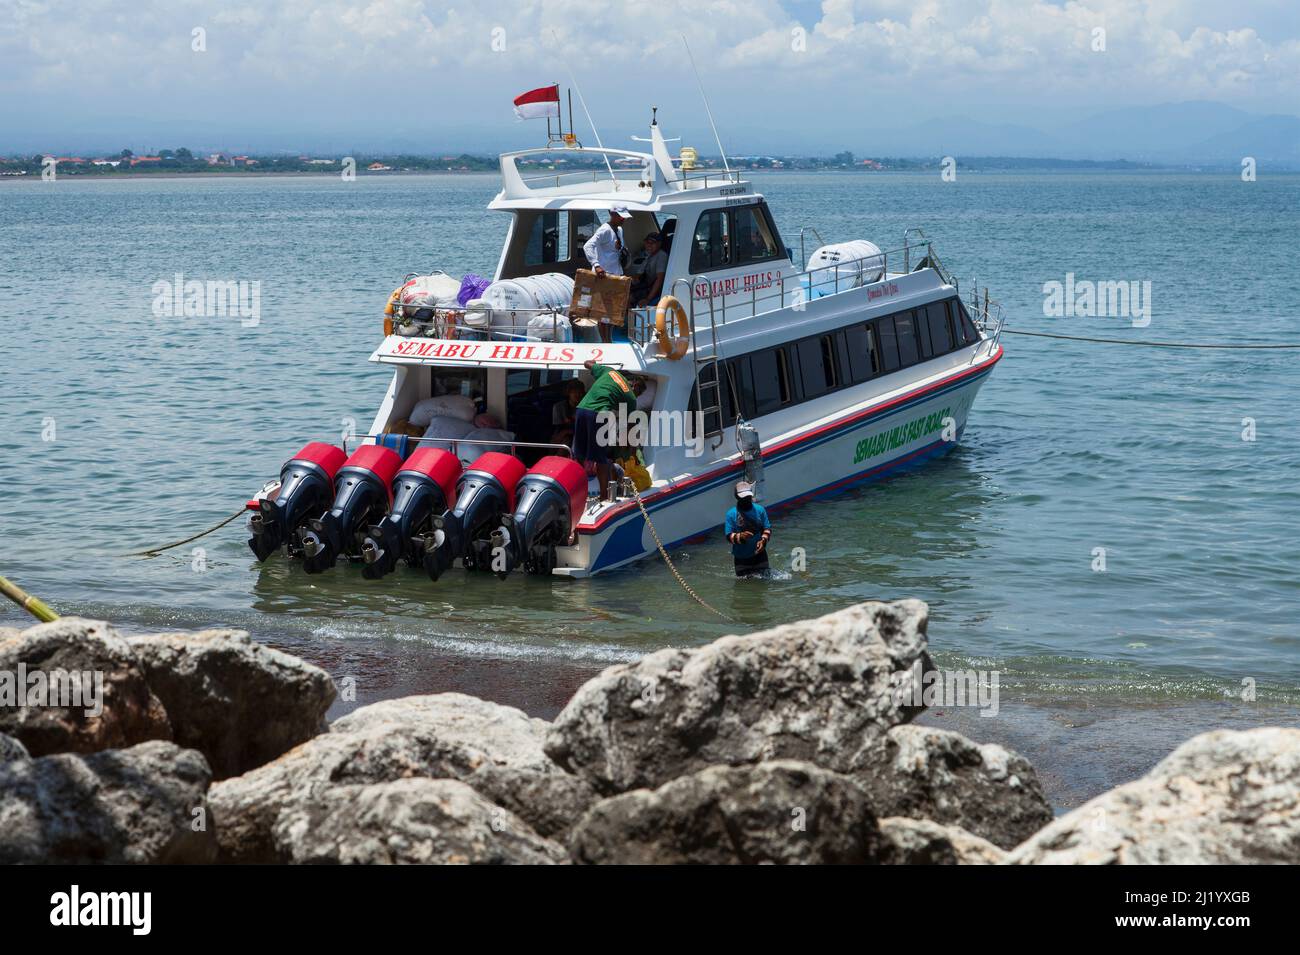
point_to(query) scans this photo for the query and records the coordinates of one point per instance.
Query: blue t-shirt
(752, 520)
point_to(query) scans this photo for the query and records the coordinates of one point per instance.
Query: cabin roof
(642, 181)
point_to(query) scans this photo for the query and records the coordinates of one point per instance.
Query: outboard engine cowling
(424, 489)
(549, 500)
(363, 494)
(486, 491)
(306, 491)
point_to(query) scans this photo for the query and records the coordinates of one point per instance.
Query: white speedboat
(805, 379)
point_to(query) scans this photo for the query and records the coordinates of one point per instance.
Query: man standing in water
(748, 530)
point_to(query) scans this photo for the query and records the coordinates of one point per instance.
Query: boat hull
(863, 445)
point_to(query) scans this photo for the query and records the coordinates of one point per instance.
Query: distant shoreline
(267, 174)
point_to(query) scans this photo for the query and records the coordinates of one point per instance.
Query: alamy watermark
(194, 298)
(657, 429)
(932, 688)
(68, 689)
(1088, 299)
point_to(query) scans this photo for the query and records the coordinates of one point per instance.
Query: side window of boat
(771, 380)
(961, 320)
(888, 342)
(940, 332)
(817, 366)
(756, 239)
(743, 383)
(711, 248)
(905, 329)
(864, 360)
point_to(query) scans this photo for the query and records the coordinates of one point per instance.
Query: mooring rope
(673, 567)
(1138, 341)
(215, 527)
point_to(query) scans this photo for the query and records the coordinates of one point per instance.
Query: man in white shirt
(603, 248)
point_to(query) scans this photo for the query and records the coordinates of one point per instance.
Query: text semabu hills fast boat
(805, 379)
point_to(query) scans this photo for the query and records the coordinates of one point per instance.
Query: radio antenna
(595, 132)
(704, 96)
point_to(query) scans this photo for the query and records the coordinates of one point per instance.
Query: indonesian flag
(542, 103)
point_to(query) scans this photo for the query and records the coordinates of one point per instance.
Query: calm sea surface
(123, 430)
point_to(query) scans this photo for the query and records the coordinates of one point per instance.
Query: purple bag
(471, 286)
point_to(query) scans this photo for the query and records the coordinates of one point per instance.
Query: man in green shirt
(610, 388)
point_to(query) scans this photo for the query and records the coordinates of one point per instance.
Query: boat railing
(556, 180)
(449, 322)
(706, 178)
(989, 317)
(791, 291)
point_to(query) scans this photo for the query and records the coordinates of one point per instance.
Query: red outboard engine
(485, 492)
(425, 488)
(550, 499)
(306, 490)
(363, 495)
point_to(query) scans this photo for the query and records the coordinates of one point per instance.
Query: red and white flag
(541, 103)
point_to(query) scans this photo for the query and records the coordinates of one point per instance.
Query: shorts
(585, 446)
(749, 566)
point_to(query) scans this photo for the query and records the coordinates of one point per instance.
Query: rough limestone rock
(1222, 798)
(906, 841)
(239, 703)
(130, 712)
(133, 805)
(440, 821)
(447, 735)
(550, 802)
(819, 690)
(782, 811)
(11, 749)
(927, 773)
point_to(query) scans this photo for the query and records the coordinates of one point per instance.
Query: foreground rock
(135, 805)
(777, 812)
(448, 735)
(926, 773)
(1222, 798)
(239, 703)
(439, 821)
(921, 842)
(819, 691)
(11, 749)
(113, 707)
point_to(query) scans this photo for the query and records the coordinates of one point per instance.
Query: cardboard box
(600, 298)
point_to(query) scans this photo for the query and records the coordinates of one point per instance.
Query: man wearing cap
(748, 530)
(604, 247)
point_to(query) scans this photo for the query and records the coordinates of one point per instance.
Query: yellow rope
(671, 566)
(215, 527)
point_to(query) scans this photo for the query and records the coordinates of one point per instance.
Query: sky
(789, 76)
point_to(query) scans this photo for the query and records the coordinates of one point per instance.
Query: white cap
(621, 212)
(744, 489)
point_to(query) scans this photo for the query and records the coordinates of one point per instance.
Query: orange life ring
(675, 345)
(389, 309)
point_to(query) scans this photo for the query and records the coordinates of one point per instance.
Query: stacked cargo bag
(444, 429)
(469, 452)
(549, 327)
(423, 295)
(451, 406)
(514, 302)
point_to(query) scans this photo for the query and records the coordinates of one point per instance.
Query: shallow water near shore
(162, 426)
